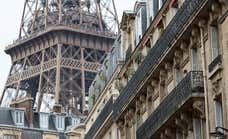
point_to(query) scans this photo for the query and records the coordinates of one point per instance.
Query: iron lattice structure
(61, 46)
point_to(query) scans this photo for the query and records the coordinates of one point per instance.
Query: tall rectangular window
(155, 7)
(110, 135)
(44, 120)
(214, 42)
(75, 121)
(60, 122)
(19, 117)
(195, 60)
(117, 133)
(150, 11)
(160, 3)
(197, 128)
(177, 75)
(179, 135)
(218, 113)
(138, 25)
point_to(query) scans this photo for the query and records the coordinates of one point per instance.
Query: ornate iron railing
(215, 62)
(190, 86)
(173, 30)
(106, 111)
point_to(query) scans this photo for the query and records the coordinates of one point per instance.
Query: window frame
(214, 49)
(75, 121)
(19, 116)
(219, 118)
(60, 122)
(44, 123)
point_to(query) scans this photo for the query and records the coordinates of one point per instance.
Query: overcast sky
(10, 15)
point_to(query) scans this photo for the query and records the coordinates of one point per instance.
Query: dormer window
(75, 121)
(19, 117)
(44, 120)
(60, 122)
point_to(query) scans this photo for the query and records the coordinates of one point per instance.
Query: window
(117, 133)
(214, 42)
(195, 61)
(150, 11)
(110, 135)
(179, 135)
(9, 137)
(155, 7)
(160, 3)
(44, 120)
(60, 122)
(178, 75)
(75, 121)
(197, 126)
(19, 117)
(138, 25)
(218, 113)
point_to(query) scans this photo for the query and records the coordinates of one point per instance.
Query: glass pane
(197, 128)
(214, 42)
(218, 114)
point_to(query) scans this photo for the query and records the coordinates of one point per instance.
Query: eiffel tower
(60, 48)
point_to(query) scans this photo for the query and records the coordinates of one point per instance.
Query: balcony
(173, 30)
(214, 63)
(106, 111)
(190, 87)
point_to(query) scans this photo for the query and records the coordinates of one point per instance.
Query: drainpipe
(205, 75)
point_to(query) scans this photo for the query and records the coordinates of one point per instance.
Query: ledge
(176, 25)
(190, 87)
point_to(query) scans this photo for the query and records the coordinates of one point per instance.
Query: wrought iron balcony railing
(191, 86)
(173, 30)
(106, 111)
(215, 62)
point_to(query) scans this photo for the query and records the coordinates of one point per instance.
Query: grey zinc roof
(7, 120)
(6, 117)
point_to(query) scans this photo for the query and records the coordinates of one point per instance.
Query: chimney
(57, 108)
(27, 103)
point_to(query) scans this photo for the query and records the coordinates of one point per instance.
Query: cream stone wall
(50, 136)
(10, 131)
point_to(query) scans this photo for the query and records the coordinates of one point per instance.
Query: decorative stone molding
(168, 66)
(120, 125)
(169, 133)
(216, 85)
(142, 101)
(199, 108)
(195, 37)
(163, 75)
(150, 91)
(177, 57)
(202, 24)
(215, 10)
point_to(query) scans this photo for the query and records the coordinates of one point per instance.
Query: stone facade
(173, 82)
